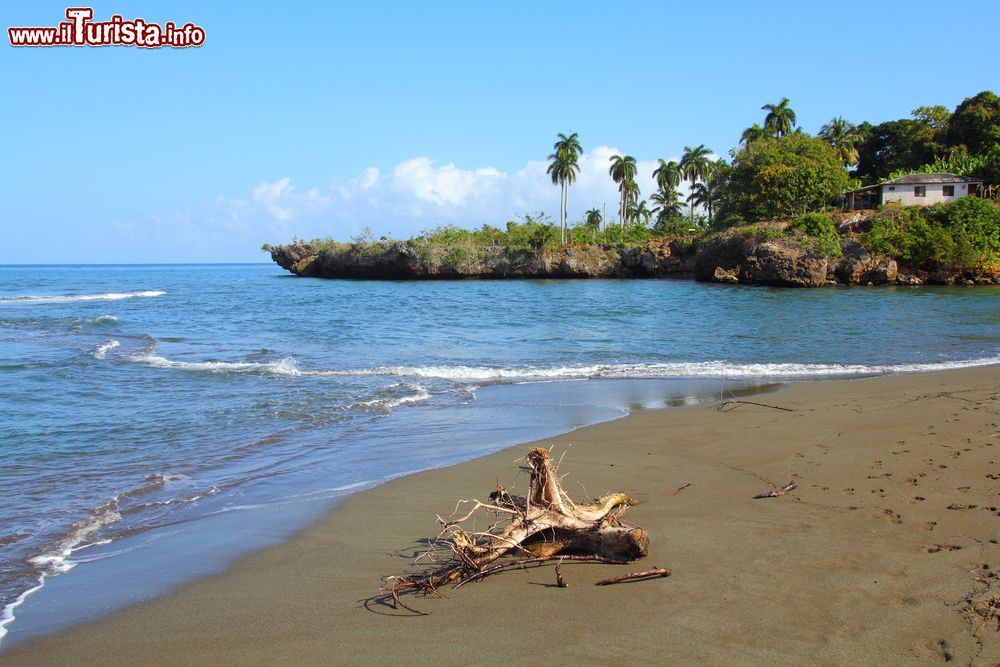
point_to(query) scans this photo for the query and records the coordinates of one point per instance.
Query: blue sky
(320, 118)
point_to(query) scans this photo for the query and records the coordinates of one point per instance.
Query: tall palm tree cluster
(707, 177)
(563, 168)
(780, 120)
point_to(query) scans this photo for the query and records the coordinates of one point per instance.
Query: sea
(157, 422)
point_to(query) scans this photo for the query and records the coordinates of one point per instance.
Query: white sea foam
(417, 394)
(58, 560)
(701, 369)
(476, 375)
(286, 366)
(69, 298)
(101, 351)
(104, 319)
(7, 615)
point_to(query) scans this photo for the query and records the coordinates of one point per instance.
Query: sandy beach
(884, 554)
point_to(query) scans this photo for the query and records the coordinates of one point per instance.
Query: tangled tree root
(543, 525)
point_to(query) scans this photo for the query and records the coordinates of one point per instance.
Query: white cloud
(411, 196)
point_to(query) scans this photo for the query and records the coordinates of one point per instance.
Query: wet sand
(884, 554)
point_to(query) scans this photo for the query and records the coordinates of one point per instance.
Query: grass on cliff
(456, 245)
(815, 231)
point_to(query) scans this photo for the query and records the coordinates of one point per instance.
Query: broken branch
(634, 576)
(774, 493)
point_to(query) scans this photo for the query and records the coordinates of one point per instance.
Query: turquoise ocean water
(159, 421)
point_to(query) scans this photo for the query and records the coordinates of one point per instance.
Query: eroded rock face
(730, 257)
(779, 263)
(406, 260)
(859, 267)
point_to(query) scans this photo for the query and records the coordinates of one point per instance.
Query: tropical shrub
(781, 178)
(964, 234)
(821, 228)
(975, 222)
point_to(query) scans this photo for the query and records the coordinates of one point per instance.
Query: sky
(319, 119)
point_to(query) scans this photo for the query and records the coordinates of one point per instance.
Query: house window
(892, 188)
(948, 190)
(919, 190)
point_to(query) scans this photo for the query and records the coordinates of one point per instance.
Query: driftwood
(545, 525)
(635, 576)
(774, 493)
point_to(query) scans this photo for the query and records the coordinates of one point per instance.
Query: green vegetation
(563, 170)
(962, 235)
(933, 136)
(778, 172)
(622, 171)
(780, 118)
(781, 178)
(821, 229)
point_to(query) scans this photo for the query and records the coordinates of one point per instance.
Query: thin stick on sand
(774, 493)
(634, 576)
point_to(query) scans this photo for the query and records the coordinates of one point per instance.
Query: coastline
(857, 565)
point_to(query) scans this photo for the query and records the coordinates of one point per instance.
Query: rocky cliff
(409, 260)
(731, 257)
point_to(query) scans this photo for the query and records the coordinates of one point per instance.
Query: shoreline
(746, 573)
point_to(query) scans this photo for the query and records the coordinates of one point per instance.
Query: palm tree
(631, 197)
(780, 118)
(638, 212)
(666, 205)
(592, 220)
(752, 135)
(623, 171)
(563, 170)
(843, 136)
(705, 194)
(695, 165)
(667, 175)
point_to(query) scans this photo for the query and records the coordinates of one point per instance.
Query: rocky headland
(734, 257)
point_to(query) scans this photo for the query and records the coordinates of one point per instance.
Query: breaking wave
(101, 351)
(507, 374)
(395, 396)
(92, 531)
(70, 298)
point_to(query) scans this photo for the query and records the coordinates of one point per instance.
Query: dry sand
(885, 554)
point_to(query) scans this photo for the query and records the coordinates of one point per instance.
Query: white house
(913, 190)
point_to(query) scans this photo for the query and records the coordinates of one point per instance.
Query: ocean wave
(395, 396)
(287, 366)
(104, 319)
(700, 369)
(60, 557)
(70, 298)
(476, 375)
(101, 351)
(57, 561)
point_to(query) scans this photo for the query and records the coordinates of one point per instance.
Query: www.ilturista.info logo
(81, 30)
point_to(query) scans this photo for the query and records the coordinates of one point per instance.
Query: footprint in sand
(849, 491)
(879, 492)
(961, 507)
(963, 489)
(929, 525)
(918, 499)
(938, 649)
(993, 475)
(912, 481)
(934, 548)
(892, 516)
